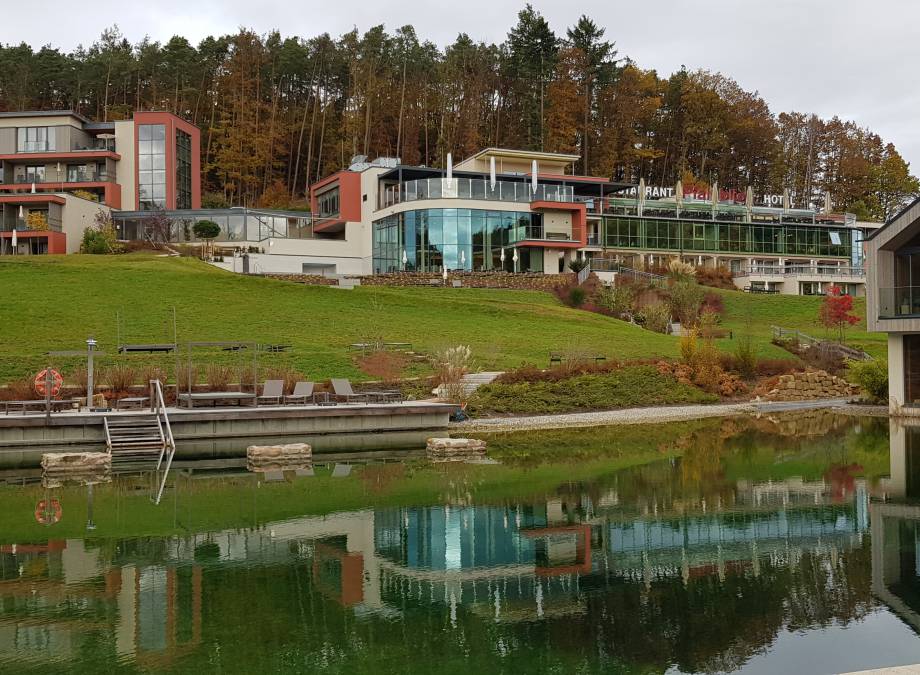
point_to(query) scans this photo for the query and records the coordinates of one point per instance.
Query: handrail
(168, 441)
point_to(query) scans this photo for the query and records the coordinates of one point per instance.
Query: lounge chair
(303, 393)
(272, 390)
(343, 390)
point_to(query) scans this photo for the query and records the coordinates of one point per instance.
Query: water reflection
(693, 563)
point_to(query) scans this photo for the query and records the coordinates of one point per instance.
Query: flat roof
(45, 113)
(524, 154)
(417, 172)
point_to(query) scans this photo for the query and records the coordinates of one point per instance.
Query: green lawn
(756, 314)
(54, 303)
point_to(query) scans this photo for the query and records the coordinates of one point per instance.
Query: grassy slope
(54, 303)
(756, 314)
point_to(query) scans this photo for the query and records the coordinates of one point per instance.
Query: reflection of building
(896, 559)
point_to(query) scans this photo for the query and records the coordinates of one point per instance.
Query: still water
(778, 545)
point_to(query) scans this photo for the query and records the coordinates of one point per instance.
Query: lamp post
(90, 385)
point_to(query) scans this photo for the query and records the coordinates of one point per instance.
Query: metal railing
(801, 270)
(781, 334)
(169, 442)
(473, 188)
(899, 301)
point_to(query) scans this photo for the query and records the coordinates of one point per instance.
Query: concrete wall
(77, 215)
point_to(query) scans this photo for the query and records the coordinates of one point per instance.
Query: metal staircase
(139, 440)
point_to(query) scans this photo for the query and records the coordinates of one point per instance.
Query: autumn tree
(836, 312)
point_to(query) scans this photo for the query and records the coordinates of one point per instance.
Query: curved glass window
(428, 240)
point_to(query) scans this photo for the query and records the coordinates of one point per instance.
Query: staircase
(137, 438)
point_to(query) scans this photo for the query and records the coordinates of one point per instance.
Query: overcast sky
(850, 58)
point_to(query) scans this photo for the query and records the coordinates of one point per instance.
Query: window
(78, 173)
(35, 139)
(32, 174)
(183, 170)
(327, 203)
(151, 147)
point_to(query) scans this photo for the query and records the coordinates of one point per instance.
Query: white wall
(124, 168)
(77, 215)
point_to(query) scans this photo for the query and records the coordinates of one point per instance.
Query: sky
(850, 58)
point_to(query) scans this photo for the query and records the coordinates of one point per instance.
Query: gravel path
(636, 416)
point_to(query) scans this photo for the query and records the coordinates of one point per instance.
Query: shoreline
(655, 415)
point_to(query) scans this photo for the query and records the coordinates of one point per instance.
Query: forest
(277, 113)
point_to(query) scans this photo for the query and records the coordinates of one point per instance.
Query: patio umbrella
(715, 194)
(502, 258)
(450, 167)
(462, 258)
(492, 172)
(786, 203)
(15, 241)
(33, 187)
(444, 274)
(533, 176)
(679, 193)
(405, 258)
(515, 256)
(640, 198)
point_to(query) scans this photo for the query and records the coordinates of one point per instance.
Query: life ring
(48, 513)
(41, 382)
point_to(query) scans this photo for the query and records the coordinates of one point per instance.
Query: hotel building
(498, 210)
(60, 169)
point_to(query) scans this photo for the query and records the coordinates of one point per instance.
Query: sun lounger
(272, 391)
(343, 390)
(303, 393)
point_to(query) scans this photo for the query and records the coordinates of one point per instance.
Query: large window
(183, 170)
(727, 237)
(35, 139)
(151, 157)
(327, 204)
(458, 239)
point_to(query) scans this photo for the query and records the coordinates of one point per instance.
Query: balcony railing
(473, 188)
(70, 177)
(539, 233)
(899, 301)
(801, 270)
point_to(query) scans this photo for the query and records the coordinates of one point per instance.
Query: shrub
(206, 229)
(872, 378)
(78, 379)
(151, 372)
(95, 242)
(655, 316)
(685, 299)
(578, 264)
(712, 302)
(618, 300)
(19, 390)
(37, 221)
(186, 377)
(681, 271)
(219, 377)
(86, 194)
(451, 365)
(746, 356)
(119, 377)
(716, 277)
(688, 347)
(576, 296)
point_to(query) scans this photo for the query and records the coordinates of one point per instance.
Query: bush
(655, 316)
(578, 264)
(619, 301)
(685, 299)
(717, 277)
(383, 365)
(680, 271)
(628, 386)
(19, 390)
(746, 356)
(119, 377)
(219, 377)
(95, 243)
(872, 378)
(576, 296)
(186, 377)
(289, 375)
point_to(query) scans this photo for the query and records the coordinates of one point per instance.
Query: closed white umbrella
(405, 258)
(786, 203)
(463, 259)
(33, 187)
(640, 198)
(502, 258)
(514, 257)
(492, 172)
(679, 193)
(15, 241)
(533, 177)
(715, 194)
(450, 167)
(444, 274)
(21, 212)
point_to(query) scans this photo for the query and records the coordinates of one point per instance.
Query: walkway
(652, 415)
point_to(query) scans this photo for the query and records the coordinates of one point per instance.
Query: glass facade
(151, 157)
(458, 239)
(236, 225)
(726, 237)
(183, 170)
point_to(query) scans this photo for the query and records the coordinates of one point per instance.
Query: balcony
(899, 302)
(802, 270)
(539, 233)
(42, 180)
(473, 188)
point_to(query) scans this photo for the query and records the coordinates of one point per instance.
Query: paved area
(651, 415)
(896, 670)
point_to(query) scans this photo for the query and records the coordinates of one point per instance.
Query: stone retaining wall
(814, 384)
(308, 279)
(524, 281)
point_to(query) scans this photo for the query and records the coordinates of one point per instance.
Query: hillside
(54, 303)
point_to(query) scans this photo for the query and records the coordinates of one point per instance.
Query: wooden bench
(135, 402)
(215, 397)
(558, 357)
(37, 405)
(767, 291)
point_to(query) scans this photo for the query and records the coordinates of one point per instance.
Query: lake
(784, 544)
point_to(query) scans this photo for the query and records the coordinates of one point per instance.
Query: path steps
(134, 438)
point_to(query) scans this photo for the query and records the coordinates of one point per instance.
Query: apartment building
(58, 170)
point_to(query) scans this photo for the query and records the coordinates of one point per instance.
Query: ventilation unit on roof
(358, 159)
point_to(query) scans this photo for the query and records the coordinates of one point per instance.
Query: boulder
(274, 457)
(76, 461)
(455, 449)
